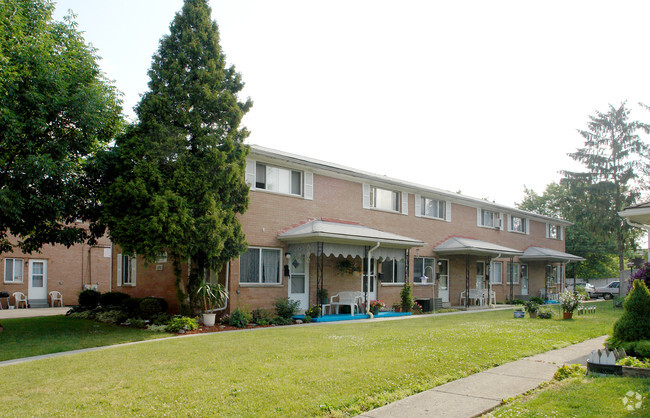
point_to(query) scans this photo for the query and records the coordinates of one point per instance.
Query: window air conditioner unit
(497, 223)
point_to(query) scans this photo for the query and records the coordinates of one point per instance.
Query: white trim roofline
(327, 168)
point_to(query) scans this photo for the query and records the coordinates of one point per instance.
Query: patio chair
(492, 300)
(20, 298)
(54, 296)
(350, 299)
(475, 295)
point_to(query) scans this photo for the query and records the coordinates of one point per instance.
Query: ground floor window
(14, 270)
(392, 271)
(423, 266)
(126, 269)
(496, 276)
(260, 265)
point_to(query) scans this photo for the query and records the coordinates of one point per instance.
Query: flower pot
(518, 314)
(532, 314)
(567, 315)
(209, 319)
(374, 311)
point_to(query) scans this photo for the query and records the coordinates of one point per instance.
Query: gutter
(647, 230)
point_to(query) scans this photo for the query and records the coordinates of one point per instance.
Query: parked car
(588, 288)
(611, 290)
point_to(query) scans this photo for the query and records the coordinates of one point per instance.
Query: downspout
(647, 230)
(368, 275)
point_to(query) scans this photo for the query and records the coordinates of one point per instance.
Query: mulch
(219, 328)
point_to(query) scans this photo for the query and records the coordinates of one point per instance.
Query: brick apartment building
(312, 223)
(56, 268)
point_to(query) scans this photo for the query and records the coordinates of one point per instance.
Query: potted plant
(376, 305)
(323, 296)
(210, 296)
(569, 301)
(518, 312)
(532, 308)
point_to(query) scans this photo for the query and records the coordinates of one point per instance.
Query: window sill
(253, 285)
(433, 218)
(278, 193)
(392, 284)
(13, 282)
(422, 284)
(490, 227)
(394, 212)
(518, 232)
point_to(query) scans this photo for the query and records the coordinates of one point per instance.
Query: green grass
(26, 337)
(581, 397)
(297, 371)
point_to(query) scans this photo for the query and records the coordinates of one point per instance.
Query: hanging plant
(347, 266)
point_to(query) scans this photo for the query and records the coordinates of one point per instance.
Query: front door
(370, 286)
(524, 279)
(299, 281)
(443, 280)
(37, 280)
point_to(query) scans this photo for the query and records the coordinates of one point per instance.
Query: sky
(481, 97)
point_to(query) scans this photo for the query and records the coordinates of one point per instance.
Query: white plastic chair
(351, 299)
(20, 298)
(54, 296)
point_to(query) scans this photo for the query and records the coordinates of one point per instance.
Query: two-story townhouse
(315, 225)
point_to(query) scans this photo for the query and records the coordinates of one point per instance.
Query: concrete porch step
(38, 303)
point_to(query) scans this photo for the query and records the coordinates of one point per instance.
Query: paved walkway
(481, 392)
(32, 312)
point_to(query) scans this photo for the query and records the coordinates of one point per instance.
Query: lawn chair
(351, 299)
(20, 298)
(54, 296)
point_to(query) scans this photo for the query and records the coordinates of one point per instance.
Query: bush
(286, 308)
(261, 317)
(643, 274)
(131, 307)
(531, 307)
(157, 328)
(183, 323)
(240, 318)
(89, 299)
(633, 325)
(569, 370)
(313, 312)
(111, 317)
(161, 319)
(112, 299)
(406, 296)
(618, 301)
(81, 314)
(151, 306)
(634, 362)
(136, 322)
(545, 314)
(307, 319)
(516, 302)
(278, 320)
(640, 349)
(537, 300)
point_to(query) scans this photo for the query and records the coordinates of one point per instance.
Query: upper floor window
(518, 224)
(433, 208)
(392, 271)
(14, 270)
(553, 231)
(423, 266)
(260, 265)
(489, 218)
(384, 199)
(276, 179)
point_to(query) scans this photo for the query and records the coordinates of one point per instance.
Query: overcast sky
(481, 97)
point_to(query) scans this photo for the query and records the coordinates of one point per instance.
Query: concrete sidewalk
(481, 392)
(32, 312)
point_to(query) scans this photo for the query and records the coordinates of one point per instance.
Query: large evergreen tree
(56, 109)
(616, 159)
(175, 181)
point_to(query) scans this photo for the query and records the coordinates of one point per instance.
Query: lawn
(295, 371)
(26, 337)
(583, 397)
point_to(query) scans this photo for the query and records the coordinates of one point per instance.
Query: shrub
(516, 302)
(307, 319)
(313, 312)
(406, 296)
(640, 349)
(278, 320)
(417, 308)
(112, 299)
(618, 301)
(569, 370)
(261, 317)
(240, 318)
(81, 314)
(633, 325)
(151, 306)
(131, 307)
(111, 317)
(545, 314)
(161, 319)
(537, 300)
(634, 362)
(157, 328)
(643, 274)
(531, 307)
(89, 299)
(182, 323)
(286, 308)
(136, 322)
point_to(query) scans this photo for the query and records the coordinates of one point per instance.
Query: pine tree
(175, 181)
(616, 158)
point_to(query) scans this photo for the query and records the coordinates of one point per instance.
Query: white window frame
(496, 218)
(557, 229)
(395, 199)
(524, 225)
(493, 280)
(394, 273)
(424, 262)
(14, 278)
(127, 276)
(306, 179)
(441, 276)
(260, 267)
(480, 278)
(513, 268)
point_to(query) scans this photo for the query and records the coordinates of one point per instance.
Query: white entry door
(369, 285)
(299, 281)
(37, 280)
(443, 282)
(524, 279)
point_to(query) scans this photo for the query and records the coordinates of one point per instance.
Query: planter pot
(532, 314)
(209, 319)
(567, 315)
(374, 311)
(518, 314)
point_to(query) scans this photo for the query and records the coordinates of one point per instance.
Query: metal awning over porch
(639, 214)
(469, 246)
(547, 254)
(346, 239)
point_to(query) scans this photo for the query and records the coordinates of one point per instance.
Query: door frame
(443, 293)
(31, 292)
(303, 299)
